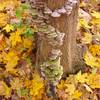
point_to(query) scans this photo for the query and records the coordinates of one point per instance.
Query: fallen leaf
(87, 38)
(8, 28)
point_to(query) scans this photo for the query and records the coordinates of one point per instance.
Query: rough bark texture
(71, 53)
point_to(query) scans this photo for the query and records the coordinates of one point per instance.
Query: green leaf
(22, 92)
(28, 32)
(21, 9)
(28, 59)
(19, 12)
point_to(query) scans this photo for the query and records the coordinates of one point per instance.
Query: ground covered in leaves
(19, 79)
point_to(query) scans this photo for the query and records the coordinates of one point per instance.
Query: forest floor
(19, 79)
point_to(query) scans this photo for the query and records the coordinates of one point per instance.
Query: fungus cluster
(51, 69)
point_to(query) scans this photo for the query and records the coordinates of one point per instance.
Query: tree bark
(71, 53)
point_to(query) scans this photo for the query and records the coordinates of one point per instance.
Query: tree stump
(71, 59)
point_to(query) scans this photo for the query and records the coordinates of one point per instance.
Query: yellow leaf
(8, 28)
(4, 89)
(15, 38)
(27, 42)
(83, 23)
(95, 14)
(3, 19)
(8, 3)
(70, 88)
(90, 60)
(95, 21)
(96, 18)
(76, 95)
(36, 86)
(11, 60)
(95, 50)
(61, 85)
(82, 4)
(2, 42)
(95, 1)
(2, 6)
(87, 38)
(94, 81)
(82, 78)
